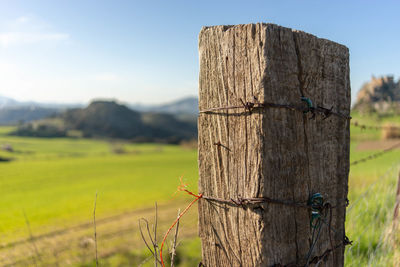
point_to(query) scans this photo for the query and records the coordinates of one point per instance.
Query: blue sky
(146, 51)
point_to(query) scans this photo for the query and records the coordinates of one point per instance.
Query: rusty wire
(325, 208)
(372, 127)
(243, 202)
(323, 257)
(375, 155)
(249, 107)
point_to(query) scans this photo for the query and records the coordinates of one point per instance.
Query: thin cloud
(106, 77)
(16, 38)
(22, 19)
(28, 30)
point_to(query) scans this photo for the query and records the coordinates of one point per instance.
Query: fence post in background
(273, 132)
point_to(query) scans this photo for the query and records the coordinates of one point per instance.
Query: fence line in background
(376, 155)
(379, 179)
(373, 127)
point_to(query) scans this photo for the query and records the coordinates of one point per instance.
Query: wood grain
(275, 153)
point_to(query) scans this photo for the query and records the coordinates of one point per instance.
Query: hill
(13, 112)
(169, 127)
(105, 119)
(187, 105)
(7, 102)
(15, 115)
(381, 95)
(109, 119)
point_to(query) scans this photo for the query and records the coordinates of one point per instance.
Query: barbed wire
(324, 208)
(375, 155)
(320, 209)
(242, 202)
(379, 179)
(251, 106)
(324, 256)
(374, 127)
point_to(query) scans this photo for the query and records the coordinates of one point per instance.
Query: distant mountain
(13, 112)
(187, 105)
(380, 95)
(7, 102)
(109, 119)
(17, 115)
(169, 126)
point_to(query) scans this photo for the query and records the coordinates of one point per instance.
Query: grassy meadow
(53, 182)
(372, 190)
(49, 185)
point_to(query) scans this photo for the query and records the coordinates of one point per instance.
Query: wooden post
(269, 151)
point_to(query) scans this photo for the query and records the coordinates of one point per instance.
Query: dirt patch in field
(377, 145)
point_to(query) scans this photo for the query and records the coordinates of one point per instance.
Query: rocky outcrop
(380, 95)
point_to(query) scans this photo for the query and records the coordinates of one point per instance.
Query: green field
(54, 182)
(372, 190)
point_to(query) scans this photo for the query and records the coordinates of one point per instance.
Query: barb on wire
(255, 200)
(320, 210)
(256, 105)
(324, 256)
(374, 156)
(219, 144)
(242, 202)
(371, 127)
(319, 258)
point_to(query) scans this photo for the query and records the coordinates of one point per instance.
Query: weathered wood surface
(275, 153)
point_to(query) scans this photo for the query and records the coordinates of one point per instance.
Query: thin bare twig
(95, 232)
(154, 250)
(31, 238)
(141, 233)
(155, 238)
(173, 250)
